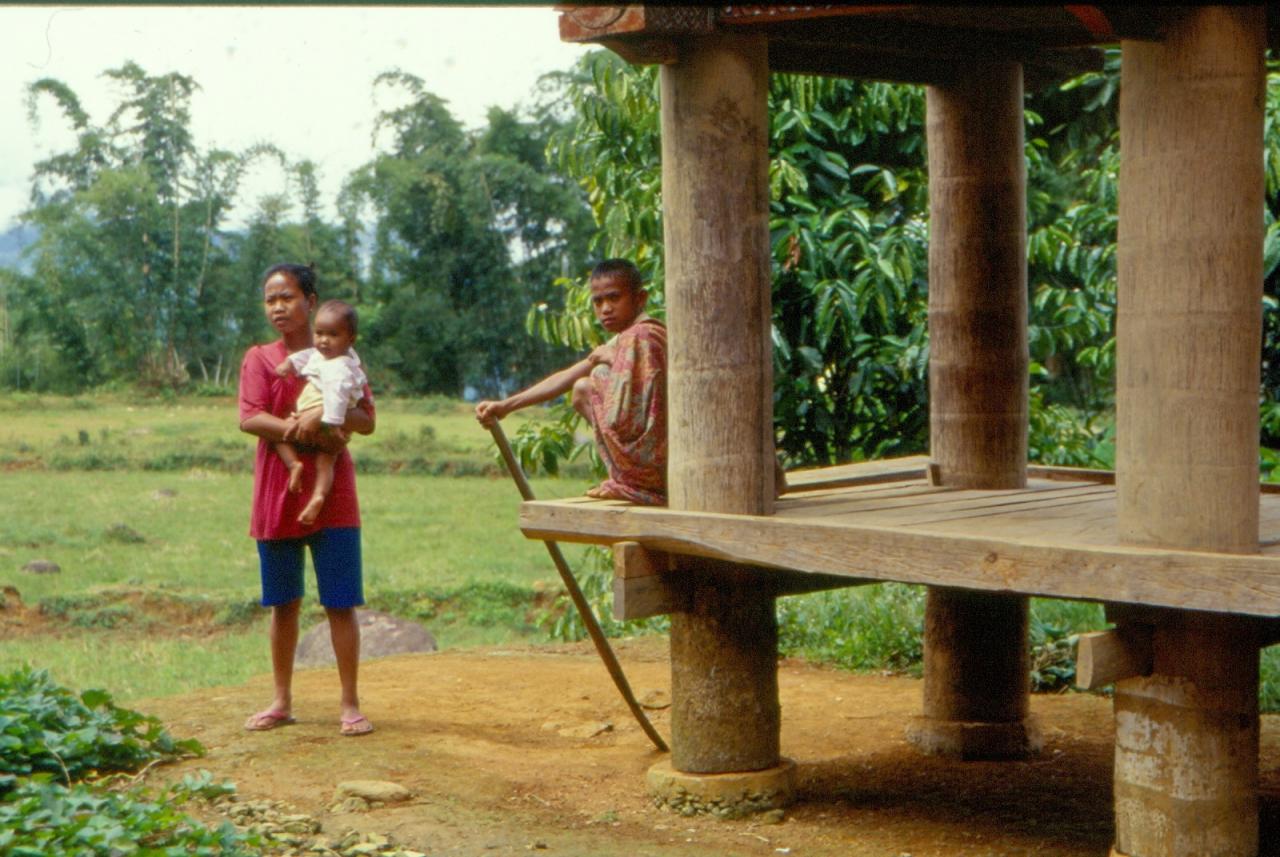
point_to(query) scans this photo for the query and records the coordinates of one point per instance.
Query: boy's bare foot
(603, 492)
(311, 511)
(295, 477)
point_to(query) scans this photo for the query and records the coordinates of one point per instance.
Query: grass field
(145, 542)
(144, 507)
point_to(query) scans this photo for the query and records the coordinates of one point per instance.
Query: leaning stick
(575, 593)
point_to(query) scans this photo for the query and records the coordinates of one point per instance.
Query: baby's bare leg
(289, 456)
(324, 481)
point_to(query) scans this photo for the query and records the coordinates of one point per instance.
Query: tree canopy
(443, 240)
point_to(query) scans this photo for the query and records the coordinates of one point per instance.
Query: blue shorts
(335, 554)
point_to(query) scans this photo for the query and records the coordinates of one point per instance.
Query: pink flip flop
(358, 725)
(268, 719)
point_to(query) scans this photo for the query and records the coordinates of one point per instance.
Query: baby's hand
(285, 369)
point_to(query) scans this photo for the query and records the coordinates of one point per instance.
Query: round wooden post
(976, 661)
(1187, 374)
(725, 711)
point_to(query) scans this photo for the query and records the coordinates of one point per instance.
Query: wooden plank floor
(884, 520)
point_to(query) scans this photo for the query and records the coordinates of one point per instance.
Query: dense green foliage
(49, 729)
(443, 240)
(39, 818)
(55, 743)
(849, 229)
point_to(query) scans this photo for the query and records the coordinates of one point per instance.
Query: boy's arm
(557, 384)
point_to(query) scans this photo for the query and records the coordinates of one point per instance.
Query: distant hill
(12, 243)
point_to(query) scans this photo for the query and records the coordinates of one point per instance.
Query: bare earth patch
(488, 743)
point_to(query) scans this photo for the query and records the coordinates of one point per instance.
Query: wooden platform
(883, 520)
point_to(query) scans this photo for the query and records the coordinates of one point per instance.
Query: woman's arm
(309, 430)
(266, 426)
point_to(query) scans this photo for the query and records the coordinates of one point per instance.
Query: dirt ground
(490, 743)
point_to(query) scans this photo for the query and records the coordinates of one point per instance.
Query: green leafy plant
(43, 818)
(45, 728)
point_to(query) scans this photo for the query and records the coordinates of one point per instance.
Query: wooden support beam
(632, 560)
(1105, 657)
(645, 597)
(1195, 580)
(725, 714)
(1189, 267)
(643, 585)
(648, 582)
(920, 65)
(858, 473)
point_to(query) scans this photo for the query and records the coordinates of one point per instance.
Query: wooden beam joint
(642, 584)
(648, 582)
(1105, 657)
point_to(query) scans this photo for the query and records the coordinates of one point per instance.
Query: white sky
(299, 77)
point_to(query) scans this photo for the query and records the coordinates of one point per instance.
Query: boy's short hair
(346, 311)
(619, 268)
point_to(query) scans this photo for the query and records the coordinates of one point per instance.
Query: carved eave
(903, 43)
(638, 33)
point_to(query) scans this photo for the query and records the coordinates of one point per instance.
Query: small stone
(371, 790)
(586, 730)
(773, 816)
(42, 566)
(381, 634)
(655, 700)
(361, 849)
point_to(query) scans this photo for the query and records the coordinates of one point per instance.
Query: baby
(335, 382)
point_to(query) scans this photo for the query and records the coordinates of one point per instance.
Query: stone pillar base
(972, 741)
(731, 795)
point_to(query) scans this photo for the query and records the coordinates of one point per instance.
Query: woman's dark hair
(620, 268)
(303, 275)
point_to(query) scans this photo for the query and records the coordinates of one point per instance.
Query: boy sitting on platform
(620, 388)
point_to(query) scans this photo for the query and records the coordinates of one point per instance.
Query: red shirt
(275, 510)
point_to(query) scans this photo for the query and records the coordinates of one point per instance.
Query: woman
(266, 401)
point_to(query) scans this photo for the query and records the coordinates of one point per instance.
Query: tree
(448, 208)
(129, 225)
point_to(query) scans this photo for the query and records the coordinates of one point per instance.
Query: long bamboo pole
(579, 600)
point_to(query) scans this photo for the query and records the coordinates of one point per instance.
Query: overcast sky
(298, 77)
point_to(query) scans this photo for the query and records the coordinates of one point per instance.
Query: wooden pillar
(1187, 375)
(976, 660)
(725, 711)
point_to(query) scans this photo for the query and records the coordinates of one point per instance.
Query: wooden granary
(1181, 542)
